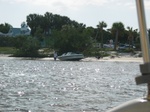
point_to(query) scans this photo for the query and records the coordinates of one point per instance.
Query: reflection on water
(59, 86)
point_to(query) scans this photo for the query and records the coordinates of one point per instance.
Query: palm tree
(118, 29)
(131, 34)
(100, 27)
(47, 23)
(33, 21)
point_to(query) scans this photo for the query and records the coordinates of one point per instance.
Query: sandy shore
(120, 59)
(123, 58)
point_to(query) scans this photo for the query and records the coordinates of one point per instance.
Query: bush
(7, 41)
(27, 47)
(7, 50)
(96, 52)
(127, 50)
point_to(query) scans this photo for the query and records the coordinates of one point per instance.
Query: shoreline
(115, 59)
(123, 58)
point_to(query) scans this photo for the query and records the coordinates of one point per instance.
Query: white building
(13, 32)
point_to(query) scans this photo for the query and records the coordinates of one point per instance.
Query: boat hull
(71, 57)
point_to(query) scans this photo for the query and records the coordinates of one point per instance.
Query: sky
(89, 12)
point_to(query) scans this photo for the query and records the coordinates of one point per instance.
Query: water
(59, 86)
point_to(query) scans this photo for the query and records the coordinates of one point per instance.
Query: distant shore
(115, 59)
(123, 58)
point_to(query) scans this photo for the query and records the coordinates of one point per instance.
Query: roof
(14, 31)
(17, 31)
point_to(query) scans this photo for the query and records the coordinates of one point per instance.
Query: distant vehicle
(108, 46)
(121, 47)
(125, 46)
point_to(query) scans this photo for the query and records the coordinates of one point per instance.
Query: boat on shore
(71, 56)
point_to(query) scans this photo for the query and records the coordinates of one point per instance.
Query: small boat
(71, 56)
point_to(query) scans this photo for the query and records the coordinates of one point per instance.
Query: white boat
(71, 56)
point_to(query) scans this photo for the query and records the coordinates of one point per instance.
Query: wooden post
(143, 36)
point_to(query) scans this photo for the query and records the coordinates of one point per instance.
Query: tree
(7, 41)
(47, 23)
(117, 29)
(50, 22)
(131, 34)
(72, 39)
(39, 34)
(26, 46)
(34, 21)
(4, 28)
(59, 21)
(100, 27)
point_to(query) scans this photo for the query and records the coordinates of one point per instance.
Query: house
(13, 32)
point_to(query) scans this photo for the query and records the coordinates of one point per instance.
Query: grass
(7, 50)
(11, 50)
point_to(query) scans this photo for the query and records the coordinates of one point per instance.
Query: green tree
(7, 41)
(59, 21)
(26, 46)
(34, 21)
(117, 29)
(131, 34)
(100, 27)
(4, 28)
(48, 23)
(39, 34)
(72, 39)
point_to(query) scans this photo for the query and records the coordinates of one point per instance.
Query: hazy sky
(89, 12)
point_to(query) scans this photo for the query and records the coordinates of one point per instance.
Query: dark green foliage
(39, 34)
(7, 50)
(118, 30)
(33, 21)
(60, 33)
(4, 28)
(100, 27)
(127, 50)
(138, 46)
(50, 22)
(96, 52)
(27, 46)
(72, 39)
(7, 41)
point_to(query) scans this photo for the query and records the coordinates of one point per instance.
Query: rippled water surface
(59, 86)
